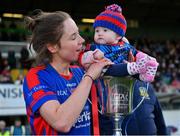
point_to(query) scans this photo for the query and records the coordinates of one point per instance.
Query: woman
(56, 93)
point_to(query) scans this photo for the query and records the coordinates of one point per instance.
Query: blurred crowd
(14, 129)
(167, 54)
(13, 69)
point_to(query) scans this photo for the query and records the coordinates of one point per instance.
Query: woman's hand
(95, 69)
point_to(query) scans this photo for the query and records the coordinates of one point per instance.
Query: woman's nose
(82, 39)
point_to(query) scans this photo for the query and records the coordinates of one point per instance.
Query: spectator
(5, 73)
(24, 59)
(1, 60)
(20, 79)
(18, 128)
(11, 59)
(3, 129)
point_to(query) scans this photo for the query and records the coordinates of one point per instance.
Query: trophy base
(116, 114)
(117, 125)
(117, 133)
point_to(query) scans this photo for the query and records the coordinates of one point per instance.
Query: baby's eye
(96, 30)
(105, 30)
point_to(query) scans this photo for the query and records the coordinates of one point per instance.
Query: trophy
(117, 99)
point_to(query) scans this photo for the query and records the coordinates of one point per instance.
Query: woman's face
(70, 42)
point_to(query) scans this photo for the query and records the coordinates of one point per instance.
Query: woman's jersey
(43, 84)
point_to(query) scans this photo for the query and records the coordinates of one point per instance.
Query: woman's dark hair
(46, 28)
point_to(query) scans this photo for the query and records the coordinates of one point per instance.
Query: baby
(110, 27)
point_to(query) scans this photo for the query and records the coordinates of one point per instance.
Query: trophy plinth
(118, 99)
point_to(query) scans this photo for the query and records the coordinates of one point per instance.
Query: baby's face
(105, 36)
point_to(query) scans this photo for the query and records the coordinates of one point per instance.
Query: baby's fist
(98, 54)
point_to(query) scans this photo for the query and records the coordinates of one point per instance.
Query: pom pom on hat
(112, 19)
(114, 8)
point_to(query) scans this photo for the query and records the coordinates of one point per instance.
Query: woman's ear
(52, 48)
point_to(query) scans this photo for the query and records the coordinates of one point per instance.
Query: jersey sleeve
(80, 57)
(37, 91)
(117, 70)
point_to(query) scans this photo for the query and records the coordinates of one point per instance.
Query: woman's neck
(61, 68)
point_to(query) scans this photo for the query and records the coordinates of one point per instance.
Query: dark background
(159, 19)
(146, 11)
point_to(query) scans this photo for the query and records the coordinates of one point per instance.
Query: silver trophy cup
(117, 99)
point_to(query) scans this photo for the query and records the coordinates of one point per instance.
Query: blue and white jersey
(117, 52)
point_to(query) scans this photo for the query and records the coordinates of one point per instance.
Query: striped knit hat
(112, 19)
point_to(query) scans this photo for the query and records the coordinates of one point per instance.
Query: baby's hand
(90, 57)
(98, 54)
(87, 58)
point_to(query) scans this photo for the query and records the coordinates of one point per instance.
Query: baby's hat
(112, 19)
